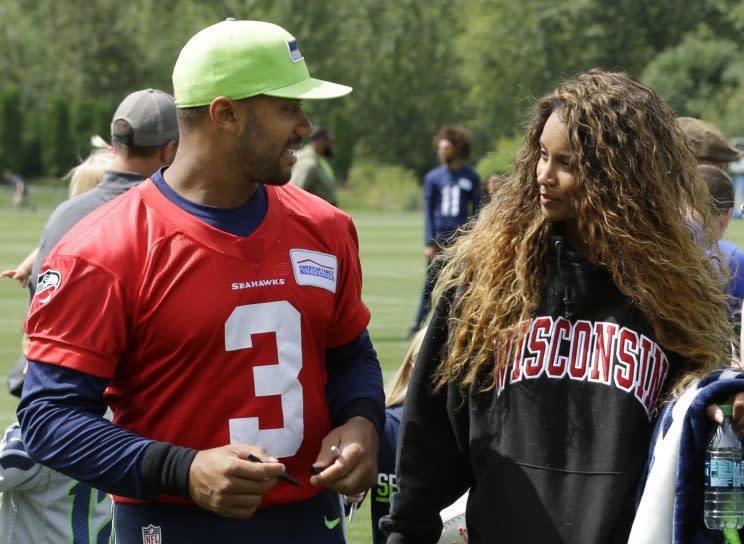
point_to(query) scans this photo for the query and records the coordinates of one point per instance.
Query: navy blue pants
(432, 275)
(318, 520)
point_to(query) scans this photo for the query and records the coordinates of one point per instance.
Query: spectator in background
(452, 194)
(41, 505)
(387, 483)
(312, 171)
(144, 134)
(144, 137)
(708, 144)
(90, 172)
(711, 149)
(20, 189)
(722, 192)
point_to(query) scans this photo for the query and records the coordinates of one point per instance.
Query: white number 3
(282, 319)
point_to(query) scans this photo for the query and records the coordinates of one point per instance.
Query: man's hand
(223, 481)
(355, 470)
(737, 416)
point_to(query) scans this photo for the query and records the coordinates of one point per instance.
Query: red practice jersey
(208, 338)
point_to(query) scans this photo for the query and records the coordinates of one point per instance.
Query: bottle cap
(727, 409)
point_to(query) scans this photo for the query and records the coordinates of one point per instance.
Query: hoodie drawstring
(561, 279)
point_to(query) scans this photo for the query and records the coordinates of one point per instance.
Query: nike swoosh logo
(331, 524)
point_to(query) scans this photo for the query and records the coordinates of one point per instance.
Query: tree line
(414, 65)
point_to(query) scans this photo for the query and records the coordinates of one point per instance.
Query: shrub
(501, 159)
(375, 185)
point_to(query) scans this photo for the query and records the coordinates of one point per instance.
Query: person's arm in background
(23, 270)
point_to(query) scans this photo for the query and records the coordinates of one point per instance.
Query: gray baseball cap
(707, 141)
(152, 116)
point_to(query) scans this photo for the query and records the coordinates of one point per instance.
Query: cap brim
(310, 89)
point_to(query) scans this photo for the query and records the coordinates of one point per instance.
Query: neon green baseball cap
(240, 59)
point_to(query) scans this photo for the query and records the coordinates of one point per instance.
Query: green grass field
(392, 261)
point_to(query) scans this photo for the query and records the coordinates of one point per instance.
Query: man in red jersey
(217, 310)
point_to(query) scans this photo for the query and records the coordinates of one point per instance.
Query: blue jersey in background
(450, 198)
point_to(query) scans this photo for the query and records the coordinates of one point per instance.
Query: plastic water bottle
(724, 493)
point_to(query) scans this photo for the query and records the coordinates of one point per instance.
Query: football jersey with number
(208, 338)
(450, 198)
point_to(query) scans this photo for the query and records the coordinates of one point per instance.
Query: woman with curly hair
(568, 311)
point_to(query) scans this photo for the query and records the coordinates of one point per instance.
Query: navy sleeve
(354, 386)
(61, 416)
(386, 480)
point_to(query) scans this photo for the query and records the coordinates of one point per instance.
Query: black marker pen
(284, 476)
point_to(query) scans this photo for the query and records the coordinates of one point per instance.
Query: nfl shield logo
(151, 535)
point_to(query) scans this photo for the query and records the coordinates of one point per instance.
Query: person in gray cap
(144, 134)
(708, 144)
(144, 137)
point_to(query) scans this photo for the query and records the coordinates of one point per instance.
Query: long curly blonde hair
(635, 183)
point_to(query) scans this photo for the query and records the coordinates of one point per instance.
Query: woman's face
(553, 176)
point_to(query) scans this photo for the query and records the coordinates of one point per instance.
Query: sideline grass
(392, 262)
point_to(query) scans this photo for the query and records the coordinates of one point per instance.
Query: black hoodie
(553, 453)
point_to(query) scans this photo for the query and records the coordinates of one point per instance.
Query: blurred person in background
(721, 189)
(711, 149)
(313, 171)
(20, 189)
(708, 143)
(41, 505)
(144, 135)
(452, 194)
(493, 182)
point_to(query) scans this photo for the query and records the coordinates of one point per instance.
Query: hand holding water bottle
(724, 489)
(737, 417)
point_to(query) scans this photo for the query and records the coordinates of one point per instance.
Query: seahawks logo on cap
(294, 51)
(48, 282)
